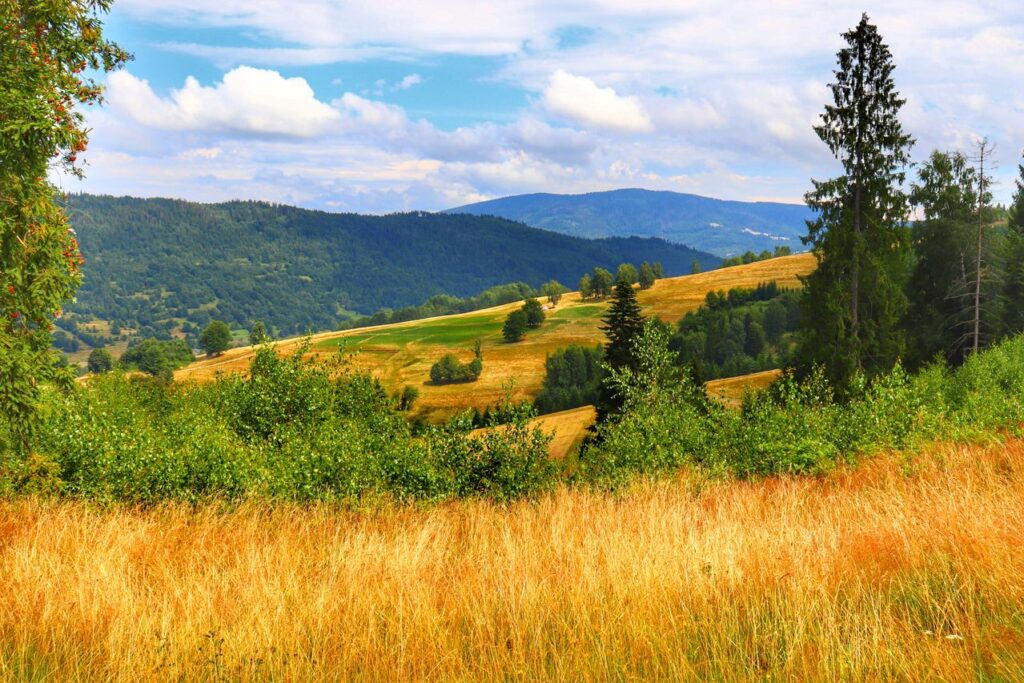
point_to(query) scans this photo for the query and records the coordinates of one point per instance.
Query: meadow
(401, 354)
(905, 568)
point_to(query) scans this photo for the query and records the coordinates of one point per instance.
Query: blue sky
(394, 105)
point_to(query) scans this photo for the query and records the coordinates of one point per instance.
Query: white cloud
(248, 100)
(409, 81)
(580, 99)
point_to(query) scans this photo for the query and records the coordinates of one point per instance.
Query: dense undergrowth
(300, 429)
(798, 426)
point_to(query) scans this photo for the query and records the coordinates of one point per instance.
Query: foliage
(258, 334)
(534, 313)
(855, 300)
(601, 283)
(216, 338)
(553, 290)
(739, 332)
(646, 275)
(406, 398)
(449, 370)
(623, 323)
(515, 326)
(797, 425)
(584, 286)
(100, 361)
(1013, 281)
(44, 49)
(159, 358)
(627, 272)
(572, 378)
(946, 192)
(293, 429)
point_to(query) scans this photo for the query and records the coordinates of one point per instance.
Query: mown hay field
(908, 567)
(402, 353)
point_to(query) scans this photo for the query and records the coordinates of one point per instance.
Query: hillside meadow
(401, 354)
(905, 568)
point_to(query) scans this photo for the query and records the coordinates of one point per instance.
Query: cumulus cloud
(580, 99)
(247, 100)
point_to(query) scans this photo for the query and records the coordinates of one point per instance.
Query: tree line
(887, 289)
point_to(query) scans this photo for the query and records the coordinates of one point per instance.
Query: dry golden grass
(402, 353)
(906, 569)
(567, 429)
(731, 389)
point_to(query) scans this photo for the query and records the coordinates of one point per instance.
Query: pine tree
(1013, 288)
(854, 299)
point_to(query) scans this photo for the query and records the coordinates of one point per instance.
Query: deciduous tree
(216, 338)
(45, 48)
(646, 276)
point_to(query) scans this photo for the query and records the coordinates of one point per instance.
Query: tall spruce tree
(946, 193)
(854, 300)
(623, 325)
(1013, 287)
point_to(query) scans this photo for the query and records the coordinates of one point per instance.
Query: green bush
(797, 426)
(294, 429)
(450, 370)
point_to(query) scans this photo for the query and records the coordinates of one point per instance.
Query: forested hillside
(155, 264)
(726, 228)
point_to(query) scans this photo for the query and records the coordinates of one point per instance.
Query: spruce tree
(1013, 288)
(623, 325)
(854, 300)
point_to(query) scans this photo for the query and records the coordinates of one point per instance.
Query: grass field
(566, 428)
(402, 353)
(906, 568)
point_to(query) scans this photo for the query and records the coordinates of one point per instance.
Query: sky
(396, 105)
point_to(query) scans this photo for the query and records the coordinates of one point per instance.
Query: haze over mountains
(157, 264)
(724, 228)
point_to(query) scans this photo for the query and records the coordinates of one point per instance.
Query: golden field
(906, 568)
(401, 354)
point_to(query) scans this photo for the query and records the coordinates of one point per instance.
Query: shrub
(449, 370)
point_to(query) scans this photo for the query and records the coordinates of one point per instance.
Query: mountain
(158, 263)
(725, 228)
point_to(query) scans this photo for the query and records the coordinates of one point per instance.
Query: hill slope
(401, 353)
(718, 226)
(158, 262)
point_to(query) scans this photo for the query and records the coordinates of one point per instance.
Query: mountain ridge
(723, 227)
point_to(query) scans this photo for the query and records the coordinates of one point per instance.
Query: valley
(401, 354)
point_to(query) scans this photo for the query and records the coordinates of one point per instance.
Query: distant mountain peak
(720, 226)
